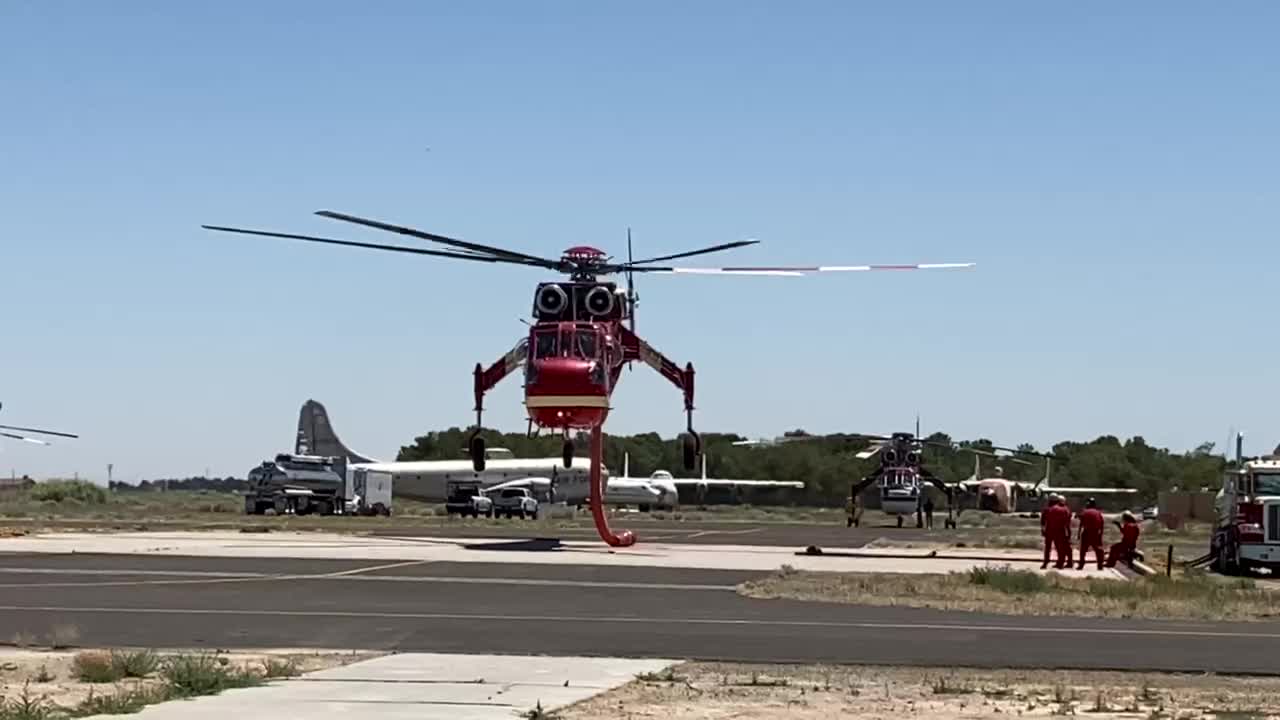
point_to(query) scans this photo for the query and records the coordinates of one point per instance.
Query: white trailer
(368, 492)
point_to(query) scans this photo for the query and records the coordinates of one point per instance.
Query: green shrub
(192, 675)
(135, 664)
(58, 491)
(1010, 581)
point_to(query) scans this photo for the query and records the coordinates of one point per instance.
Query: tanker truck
(313, 484)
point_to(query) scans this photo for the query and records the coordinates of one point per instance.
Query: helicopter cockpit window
(546, 344)
(586, 344)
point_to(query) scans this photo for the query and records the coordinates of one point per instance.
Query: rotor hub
(583, 262)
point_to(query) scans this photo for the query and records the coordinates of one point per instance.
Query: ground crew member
(1063, 543)
(853, 510)
(1055, 526)
(1091, 525)
(1123, 551)
(1044, 530)
(928, 510)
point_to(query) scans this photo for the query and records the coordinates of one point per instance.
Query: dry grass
(47, 685)
(704, 691)
(1022, 592)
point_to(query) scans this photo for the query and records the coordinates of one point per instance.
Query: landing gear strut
(566, 453)
(477, 450)
(691, 450)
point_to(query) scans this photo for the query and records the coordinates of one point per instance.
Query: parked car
(516, 501)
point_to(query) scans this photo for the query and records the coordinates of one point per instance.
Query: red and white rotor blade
(808, 269)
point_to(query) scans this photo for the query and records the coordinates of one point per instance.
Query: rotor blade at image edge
(443, 240)
(38, 430)
(372, 246)
(796, 270)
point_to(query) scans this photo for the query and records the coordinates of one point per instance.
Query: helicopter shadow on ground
(538, 545)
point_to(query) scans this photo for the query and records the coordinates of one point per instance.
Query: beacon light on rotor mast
(575, 352)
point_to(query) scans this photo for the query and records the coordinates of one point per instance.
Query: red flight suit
(1091, 523)
(1056, 523)
(1123, 550)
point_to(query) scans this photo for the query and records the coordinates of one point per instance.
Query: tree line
(827, 466)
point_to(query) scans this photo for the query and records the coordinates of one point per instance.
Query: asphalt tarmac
(798, 535)
(505, 608)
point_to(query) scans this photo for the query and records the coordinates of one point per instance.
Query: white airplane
(4, 432)
(1000, 495)
(668, 485)
(427, 480)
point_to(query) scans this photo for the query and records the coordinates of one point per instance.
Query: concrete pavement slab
(297, 545)
(421, 686)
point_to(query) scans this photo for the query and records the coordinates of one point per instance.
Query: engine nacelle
(599, 300)
(551, 300)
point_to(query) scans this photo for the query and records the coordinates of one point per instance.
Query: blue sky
(1112, 169)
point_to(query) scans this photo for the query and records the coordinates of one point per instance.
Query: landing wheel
(566, 454)
(899, 521)
(477, 453)
(950, 524)
(690, 451)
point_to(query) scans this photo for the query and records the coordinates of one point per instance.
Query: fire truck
(1247, 534)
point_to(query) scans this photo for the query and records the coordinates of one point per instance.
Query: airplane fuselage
(427, 480)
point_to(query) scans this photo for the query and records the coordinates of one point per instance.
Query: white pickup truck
(515, 501)
(465, 498)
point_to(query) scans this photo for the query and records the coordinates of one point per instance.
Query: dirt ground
(711, 691)
(48, 674)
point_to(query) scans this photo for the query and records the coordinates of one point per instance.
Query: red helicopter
(574, 353)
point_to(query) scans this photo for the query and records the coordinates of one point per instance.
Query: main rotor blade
(797, 270)
(37, 430)
(374, 246)
(432, 237)
(691, 253)
(24, 439)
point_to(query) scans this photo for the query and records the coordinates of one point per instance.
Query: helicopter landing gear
(690, 451)
(950, 523)
(899, 521)
(692, 442)
(476, 448)
(566, 453)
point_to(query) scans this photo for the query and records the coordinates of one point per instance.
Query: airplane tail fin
(1043, 484)
(316, 435)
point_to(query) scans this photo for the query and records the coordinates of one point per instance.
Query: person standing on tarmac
(1055, 526)
(1063, 544)
(928, 510)
(1044, 530)
(1091, 526)
(853, 511)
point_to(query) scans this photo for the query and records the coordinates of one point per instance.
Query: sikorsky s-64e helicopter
(583, 336)
(11, 431)
(902, 476)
